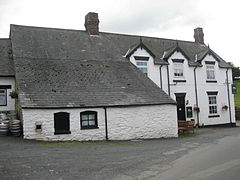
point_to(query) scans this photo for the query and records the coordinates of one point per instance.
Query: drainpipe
(106, 123)
(160, 71)
(229, 104)
(168, 81)
(196, 94)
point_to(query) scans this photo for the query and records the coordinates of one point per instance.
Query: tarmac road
(211, 153)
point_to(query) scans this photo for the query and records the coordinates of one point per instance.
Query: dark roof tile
(6, 63)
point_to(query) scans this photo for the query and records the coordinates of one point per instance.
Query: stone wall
(139, 122)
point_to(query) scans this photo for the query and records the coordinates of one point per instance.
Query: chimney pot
(91, 23)
(199, 35)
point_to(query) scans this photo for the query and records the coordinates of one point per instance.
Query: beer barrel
(15, 127)
(4, 129)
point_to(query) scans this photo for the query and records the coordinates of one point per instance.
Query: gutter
(229, 104)
(196, 94)
(160, 70)
(168, 81)
(106, 123)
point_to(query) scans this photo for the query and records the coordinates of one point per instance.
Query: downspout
(106, 123)
(160, 72)
(196, 94)
(229, 104)
(168, 81)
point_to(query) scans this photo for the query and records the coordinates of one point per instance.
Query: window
(212, 101)
(210, 71)
(178, 70)
(61, 123)
(142, 66)
(3, 97)
(88, 120)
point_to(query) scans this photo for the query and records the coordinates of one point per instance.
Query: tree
(235, 72)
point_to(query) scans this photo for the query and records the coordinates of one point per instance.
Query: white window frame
(3, 94)
(178, 68)
(210, 72)
(142, 66)
(212, 105)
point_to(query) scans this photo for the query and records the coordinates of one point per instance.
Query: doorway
(180, 98)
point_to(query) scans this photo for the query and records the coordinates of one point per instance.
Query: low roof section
(6, 62)
(68, 68)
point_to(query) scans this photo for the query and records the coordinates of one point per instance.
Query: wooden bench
(186, 126)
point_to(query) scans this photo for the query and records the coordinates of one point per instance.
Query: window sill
(213, 116)
(211, 81)
(62, 132)
(179, 80)
(89, 127)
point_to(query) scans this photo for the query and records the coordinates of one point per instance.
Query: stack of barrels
(9, 126)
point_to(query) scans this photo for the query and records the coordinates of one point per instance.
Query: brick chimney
(198, 35)
(91, 23)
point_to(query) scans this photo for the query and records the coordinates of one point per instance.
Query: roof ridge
(103, 32)
(66, 59)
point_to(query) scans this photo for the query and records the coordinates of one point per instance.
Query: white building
(82, 85)
(75, 85)
(7, 80)
(195, 76)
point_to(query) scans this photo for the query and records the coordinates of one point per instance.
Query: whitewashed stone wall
(46, 118)
(10, 102)
(123, 123)
(142, 122)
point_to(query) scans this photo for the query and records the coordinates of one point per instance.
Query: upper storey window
(210, 70)
(178, 70)
(142, 63)
(142, 66)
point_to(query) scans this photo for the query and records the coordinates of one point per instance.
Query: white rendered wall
(153, 70)
(10, 102)
(188, 87)
(123, 123)
(222, 96)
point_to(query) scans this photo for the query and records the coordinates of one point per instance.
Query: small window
(212, 101)
(178, 70)
(61, 123)
(88, 120)
(3, 97)
(142, 66)
(210, 71)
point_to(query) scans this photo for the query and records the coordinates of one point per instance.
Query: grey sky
(173, 19)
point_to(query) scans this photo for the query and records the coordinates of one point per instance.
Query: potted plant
(225, 107)
(13, 94)
(197, 109)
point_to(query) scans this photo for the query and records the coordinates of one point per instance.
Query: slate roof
(69, 68)
(6, 63)
(59, 68)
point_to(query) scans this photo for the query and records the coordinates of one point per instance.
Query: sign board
(189, 112)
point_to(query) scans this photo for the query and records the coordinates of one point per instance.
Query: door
(180, 98)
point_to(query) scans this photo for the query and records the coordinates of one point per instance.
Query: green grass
(237, 95)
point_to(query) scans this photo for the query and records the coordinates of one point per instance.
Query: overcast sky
(174, 19)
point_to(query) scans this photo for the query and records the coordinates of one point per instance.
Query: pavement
(208, 153)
